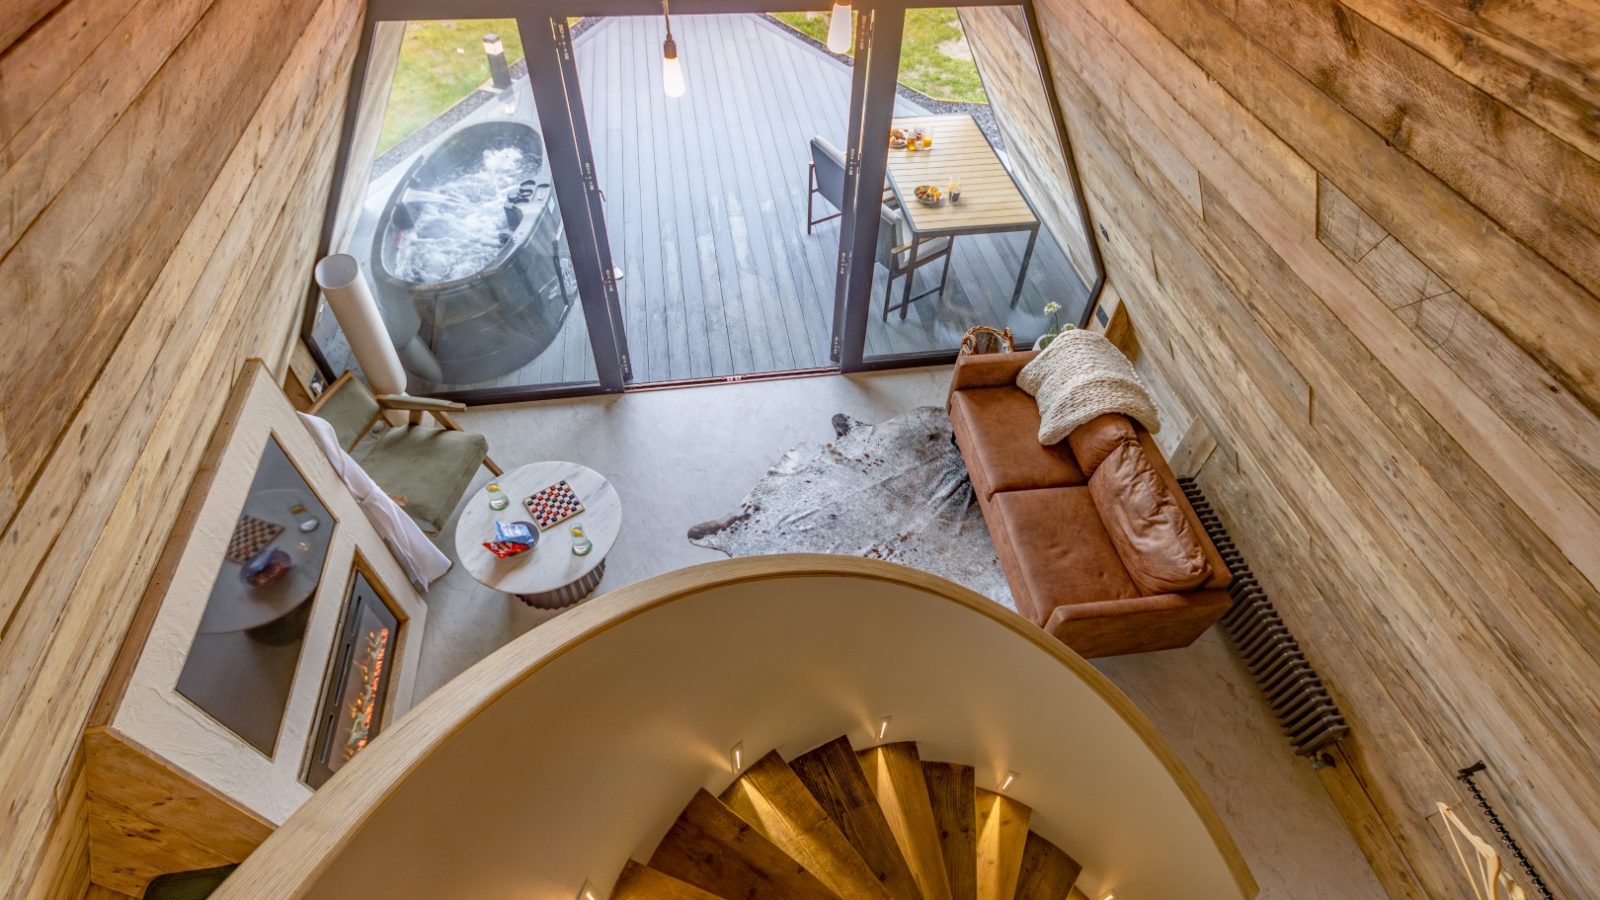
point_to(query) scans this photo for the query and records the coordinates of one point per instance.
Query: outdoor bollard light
(496, 51)
(839, 28)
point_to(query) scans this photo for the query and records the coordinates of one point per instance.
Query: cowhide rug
(897, 491)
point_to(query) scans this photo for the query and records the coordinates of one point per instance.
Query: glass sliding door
(449, 203)
(542, 205)
(982, 224)
(721, 202)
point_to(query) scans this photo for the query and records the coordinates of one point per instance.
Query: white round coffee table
(550, 575)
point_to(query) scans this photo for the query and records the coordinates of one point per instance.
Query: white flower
(1052, 307)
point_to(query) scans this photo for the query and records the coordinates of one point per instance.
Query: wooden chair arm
(327, 393)
(418, 404)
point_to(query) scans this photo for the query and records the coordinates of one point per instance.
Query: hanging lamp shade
(671, 68)
(839, 28)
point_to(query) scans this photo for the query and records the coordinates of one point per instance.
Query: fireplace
(353, 697)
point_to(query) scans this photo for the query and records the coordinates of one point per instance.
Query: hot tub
(473, 276)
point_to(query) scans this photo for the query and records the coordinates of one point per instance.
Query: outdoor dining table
(990, 200)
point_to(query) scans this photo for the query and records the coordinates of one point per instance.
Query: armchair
(425, 468)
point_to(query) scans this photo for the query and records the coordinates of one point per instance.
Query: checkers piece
(553, 505)
(251, 536)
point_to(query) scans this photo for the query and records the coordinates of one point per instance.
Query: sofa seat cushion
(1147, 525)
(425, 469)
(1055, 551)
(1094, 440)
(997, 429)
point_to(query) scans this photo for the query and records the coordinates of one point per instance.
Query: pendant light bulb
(839, 28)
(671, 68)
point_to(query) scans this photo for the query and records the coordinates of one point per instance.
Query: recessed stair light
(736, 757)
(883, 727)
(1007, 781)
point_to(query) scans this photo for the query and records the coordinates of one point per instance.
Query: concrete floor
(680, 457)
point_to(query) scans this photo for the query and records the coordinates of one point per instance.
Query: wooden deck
(706, 212)
(706, 200)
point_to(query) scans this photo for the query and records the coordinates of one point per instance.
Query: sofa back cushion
(1146, 523)
(1094, 440)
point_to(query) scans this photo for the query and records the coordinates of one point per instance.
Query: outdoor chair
(826, 177)
(894, 235)
(426, 469)
(902, 254)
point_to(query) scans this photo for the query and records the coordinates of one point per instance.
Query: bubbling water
(459, 225)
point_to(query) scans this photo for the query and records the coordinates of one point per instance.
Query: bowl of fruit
(928, 195)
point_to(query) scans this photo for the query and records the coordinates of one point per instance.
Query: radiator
(1297, 695)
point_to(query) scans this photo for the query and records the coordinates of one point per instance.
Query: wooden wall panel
(145, 814)
(1509, 51)
(1357, 239)
(160, 202)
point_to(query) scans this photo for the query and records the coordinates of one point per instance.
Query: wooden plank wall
(163, 170)
(1358, 237)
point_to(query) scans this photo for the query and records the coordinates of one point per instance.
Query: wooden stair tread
(712, 848)
(771, 797)
(1002, 834)
(894, 772)
(833, 776)
(1047, 873)
(952, 795)
(640, 882)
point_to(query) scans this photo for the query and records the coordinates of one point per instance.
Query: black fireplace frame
(318, 767)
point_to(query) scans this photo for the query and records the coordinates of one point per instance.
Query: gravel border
(982, 112)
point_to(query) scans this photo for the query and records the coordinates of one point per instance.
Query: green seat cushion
(429, 468)
(349, 409)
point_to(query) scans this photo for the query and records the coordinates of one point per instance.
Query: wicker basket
(985, 339)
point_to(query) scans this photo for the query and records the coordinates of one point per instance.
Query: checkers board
(553, 505)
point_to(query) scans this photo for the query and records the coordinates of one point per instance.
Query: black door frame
(878, 115)
(559, 100)
(559, 106)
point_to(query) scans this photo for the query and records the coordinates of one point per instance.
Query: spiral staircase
(559, 767)
(833, 822)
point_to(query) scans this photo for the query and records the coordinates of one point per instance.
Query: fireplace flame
(365, 705)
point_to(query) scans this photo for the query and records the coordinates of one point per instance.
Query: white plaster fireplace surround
(152, 714)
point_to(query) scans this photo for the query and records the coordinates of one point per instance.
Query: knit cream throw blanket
(1082, 375)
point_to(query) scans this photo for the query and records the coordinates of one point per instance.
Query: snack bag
(515, 532)
(504, 549)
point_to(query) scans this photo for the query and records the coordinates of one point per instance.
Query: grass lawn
(934, 58)
(440, 63)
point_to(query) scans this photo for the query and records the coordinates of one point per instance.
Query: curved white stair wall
(571, 749)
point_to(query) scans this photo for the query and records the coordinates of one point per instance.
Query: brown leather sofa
(1095, 536)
